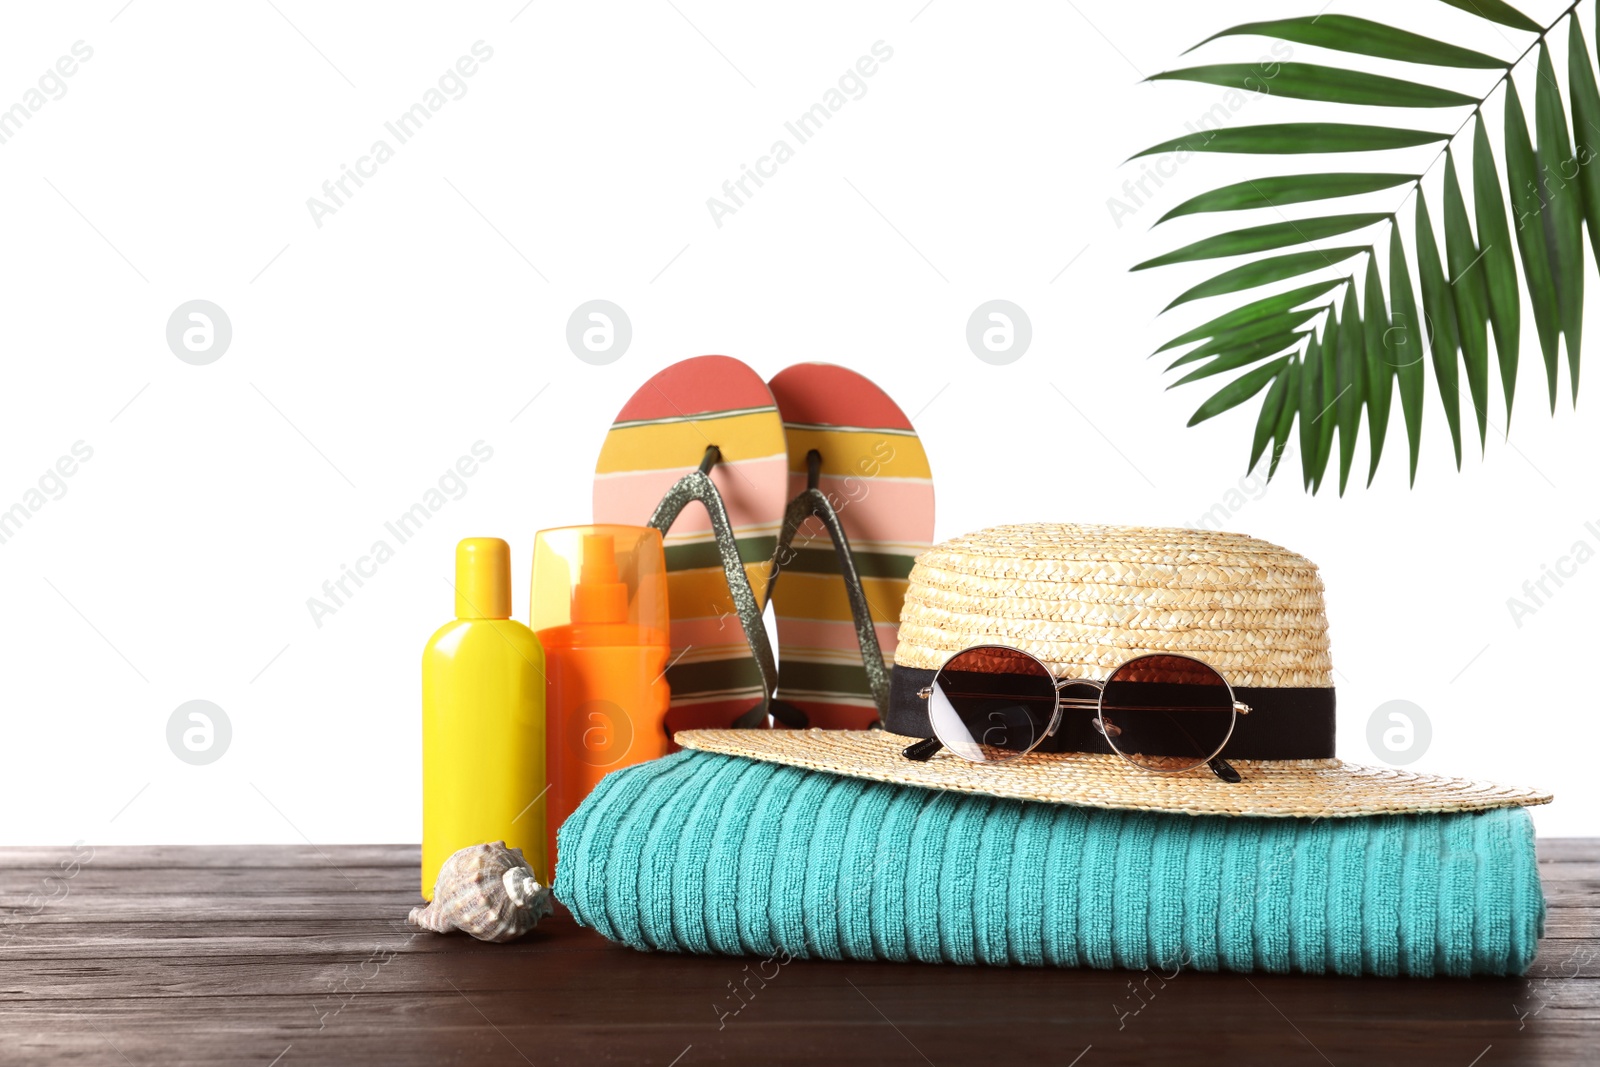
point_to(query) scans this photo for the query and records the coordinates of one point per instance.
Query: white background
(428, 311)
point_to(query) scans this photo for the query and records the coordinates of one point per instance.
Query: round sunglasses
(1163, 713)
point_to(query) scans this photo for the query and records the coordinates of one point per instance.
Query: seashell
(488, 891)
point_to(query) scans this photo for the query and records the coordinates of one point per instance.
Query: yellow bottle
(483, 774)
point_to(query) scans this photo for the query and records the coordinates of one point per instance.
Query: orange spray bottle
(599, 608)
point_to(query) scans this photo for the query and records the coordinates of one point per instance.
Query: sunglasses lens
(990, 704)
(1167, 713)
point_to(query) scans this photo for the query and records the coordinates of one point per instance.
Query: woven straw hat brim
(1271, 788)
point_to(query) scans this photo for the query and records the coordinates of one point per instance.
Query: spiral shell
(488, 891)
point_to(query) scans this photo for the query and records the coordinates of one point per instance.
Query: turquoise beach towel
(700, 852)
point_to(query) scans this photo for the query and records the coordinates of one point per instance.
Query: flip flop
(707, 430)
(875, 474)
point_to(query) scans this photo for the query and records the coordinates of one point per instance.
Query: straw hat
(1084, 599)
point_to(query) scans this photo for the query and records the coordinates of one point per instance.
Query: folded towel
(700, 852)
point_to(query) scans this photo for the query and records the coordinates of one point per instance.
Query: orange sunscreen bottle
(599, 608)
(482, 721)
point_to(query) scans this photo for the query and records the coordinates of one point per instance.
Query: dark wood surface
(291, 955)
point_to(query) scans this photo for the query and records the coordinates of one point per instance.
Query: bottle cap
(600, 595)
(483, 578)
(593, 577)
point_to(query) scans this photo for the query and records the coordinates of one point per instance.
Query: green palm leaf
(1527, 207)
(1558, 174)
(1312, 81)
(1243, 357)
(1345, 33)
(1379, 374)
(1469, 293)
(1499, 268)
(1267, 271)
(1238, 391)
(1280, 432)
(1326, 419)
(1441, 323)
(1586, 136)
(1350, 372)
(1496, 11)
(1264, 327)
(1271, 410)
(1403, 345)
(1263, 238)
(1288, 138)
(1251, 312)
(1286, 189)
(1335, 362)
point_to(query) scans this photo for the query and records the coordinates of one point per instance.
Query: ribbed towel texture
(699, 852)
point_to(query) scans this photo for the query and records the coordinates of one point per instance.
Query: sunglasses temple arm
(812, 502)
(923, 751)
(1219, 766)
(1223, 769)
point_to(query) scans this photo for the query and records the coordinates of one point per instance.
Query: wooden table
(290, 955)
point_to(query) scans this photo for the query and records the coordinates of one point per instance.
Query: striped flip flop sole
(876, 475)
(659, 436)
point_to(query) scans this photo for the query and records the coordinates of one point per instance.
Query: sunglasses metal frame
(924, 750)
